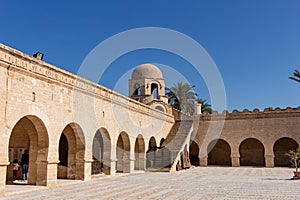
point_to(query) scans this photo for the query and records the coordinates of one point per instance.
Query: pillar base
(235, 161)
(203, 161)
(269, 160)
(112, 169)
(3, 167)
(83, 170)
(131, 165)
(46, 173)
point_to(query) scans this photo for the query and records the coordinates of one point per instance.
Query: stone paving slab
(197, 183)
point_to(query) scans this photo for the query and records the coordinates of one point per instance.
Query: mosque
(74, 128)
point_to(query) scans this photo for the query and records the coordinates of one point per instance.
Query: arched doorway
(123, 153)
(101, 152)
(252, 153)
(139, 151)
(280, 148)
(219, 153)
(150, 162)
(30, 134)
(194, 152)
(71, 153)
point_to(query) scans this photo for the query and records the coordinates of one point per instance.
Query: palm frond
(296, 76)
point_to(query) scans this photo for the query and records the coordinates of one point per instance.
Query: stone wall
(265, 127)
(43, 101)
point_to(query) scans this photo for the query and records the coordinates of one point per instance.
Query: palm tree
(182, 96)
(296, 76)
(205, 107)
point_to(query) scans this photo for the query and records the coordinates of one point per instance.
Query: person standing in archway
(15, 168)
(24, 163)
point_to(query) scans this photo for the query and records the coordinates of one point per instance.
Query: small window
(160, 108)
(154, 91)
(137, 91)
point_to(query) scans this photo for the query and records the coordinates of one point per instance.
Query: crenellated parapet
(255, 113)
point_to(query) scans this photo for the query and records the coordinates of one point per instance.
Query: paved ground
(196, 183)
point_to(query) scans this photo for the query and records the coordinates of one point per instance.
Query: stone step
(166, 156)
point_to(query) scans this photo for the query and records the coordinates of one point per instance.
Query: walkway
(196, 183)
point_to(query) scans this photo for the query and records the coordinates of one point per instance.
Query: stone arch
(151, 155)
(152, 144)
(154, 90)
(101, 152)
(194, 153)
(137, 91)
(219, 152)
(282, 146)
(30, 133)
(160, 107)
(252, 153)
(123, 153)
(71, 152)
(139, 151)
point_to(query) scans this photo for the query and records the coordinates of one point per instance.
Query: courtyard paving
(196, 183)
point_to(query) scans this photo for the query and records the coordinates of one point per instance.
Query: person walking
(24, 163)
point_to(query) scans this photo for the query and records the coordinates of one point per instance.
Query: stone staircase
(168, 155)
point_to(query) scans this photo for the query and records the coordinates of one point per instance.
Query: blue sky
(254, 43)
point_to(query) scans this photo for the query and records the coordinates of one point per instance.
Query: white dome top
(146, 71)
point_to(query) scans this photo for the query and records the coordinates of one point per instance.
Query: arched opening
(194, 152)
(161, 143)
(160, 108)
(71, 153)
(154, 90)
(150, 156)
(252, 153)
(123, 153)
(152, 144)
(63, 150)
(139, 151)
(137, 91)
(30, 135)
(280, 148)
(219, 153)
(101, 152)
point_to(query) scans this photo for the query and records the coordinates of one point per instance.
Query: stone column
(235, 157)
(47, 173)
(269, 160)
(3, 166)
(203, 160)
(126, 161)
(235, 160)
(112, 170)
(131, 160)
(83, 170)
(141, 161)
(88, 170)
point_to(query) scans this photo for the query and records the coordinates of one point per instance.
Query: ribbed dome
(146, 71)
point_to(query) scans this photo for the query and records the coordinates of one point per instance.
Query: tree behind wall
(181, 96)
(205, 107)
